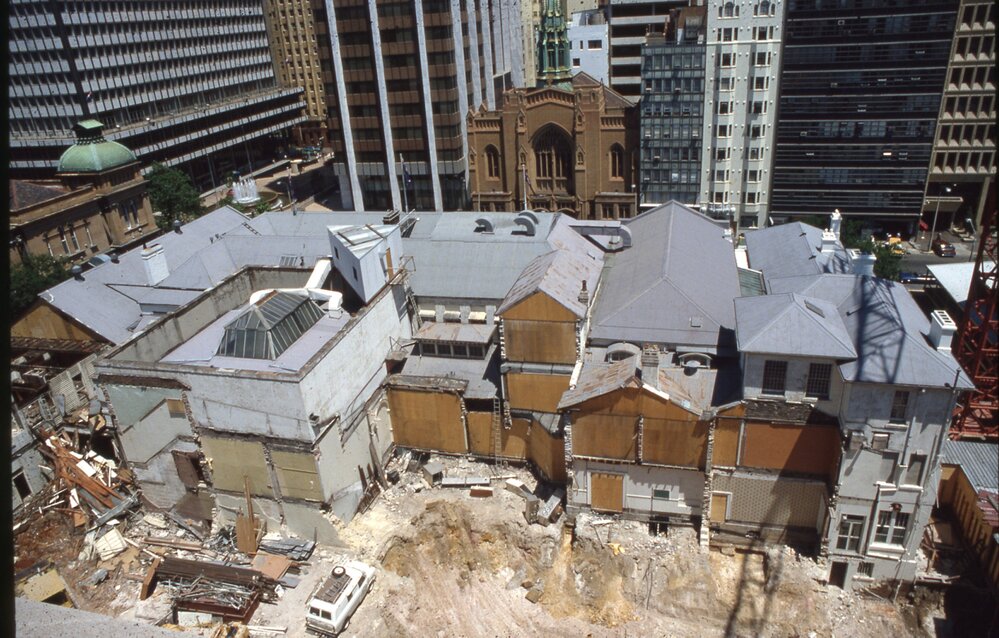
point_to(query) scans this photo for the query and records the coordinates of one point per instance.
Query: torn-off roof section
(359, 240)
(791, 324)
(888, 330)
(597, 379)
(793, 249)
(980, 462)
(560, 275)
(675, 285)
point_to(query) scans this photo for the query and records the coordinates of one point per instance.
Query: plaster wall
(796, 382)
(686, 487)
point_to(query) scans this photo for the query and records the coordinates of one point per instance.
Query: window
(865, 569)
(594, 44)
(762, 58)
(752, 197)
(753, 176)
(575, 62)
(851, 529)
(660, 494)
(720, 197)
(763, 33)
(774, 377)
(891, 527)
(726, 84)
(354, 268)
(62, 240)
(819, 376)
(721, 175)
(725, 108)
(729, 35)
(722, 154)
(724, 130)
(761, 83)
(899, 406)
(24, 490)
(492, 162)
(726, 60)
(914, 474)
(757, 131)
(616, 162)
(755, 153)
(757, 107)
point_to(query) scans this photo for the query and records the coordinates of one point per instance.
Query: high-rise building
(743, 63)
(964, 150)
(860, 90)
(630, 21)
(400, 79)
(672, 109)
(190, 84)
(291, 29)
(588, 44)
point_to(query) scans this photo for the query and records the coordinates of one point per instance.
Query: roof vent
(176, 226)
(530, 229)
(114, 257)
(530, 215)
(942, 329)
(483, 225)
(77, 272)
(584, 295)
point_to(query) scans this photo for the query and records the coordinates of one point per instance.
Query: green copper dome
(92, 153)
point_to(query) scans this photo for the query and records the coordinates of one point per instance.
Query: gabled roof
(791, 324)
(674, 285)
(888, 330)
(560, 275)
(793, 249)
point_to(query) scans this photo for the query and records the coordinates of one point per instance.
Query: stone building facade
(568, 148)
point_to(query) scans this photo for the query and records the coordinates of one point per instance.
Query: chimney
(942, 329)
(156, 264)
(829, 241)
(835, 223)
(863, 263)
(77, 272)
(176, 226)
(114, 256)
(584, 295)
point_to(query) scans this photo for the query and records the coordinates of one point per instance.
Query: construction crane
(978, 337)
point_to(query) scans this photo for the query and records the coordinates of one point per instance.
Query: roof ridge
(822, 324)
(772, 319)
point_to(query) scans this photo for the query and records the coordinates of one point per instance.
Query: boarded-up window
(188, 468)
(297, 475)
(176, 408)
(606, 492)
(231, 459)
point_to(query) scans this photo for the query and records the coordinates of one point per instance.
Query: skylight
(269, 327)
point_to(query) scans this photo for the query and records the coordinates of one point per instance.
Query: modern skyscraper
(400, 79)
(860, 90)
(589, 44)
(672, 109)
(630, 21)
(190, 83)
(743, 63)
(964, 150)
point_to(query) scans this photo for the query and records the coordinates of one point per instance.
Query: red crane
(978, 337)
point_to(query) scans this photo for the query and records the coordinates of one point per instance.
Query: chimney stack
(835, 223)
(942, 330)
(584, 295)
(155, 263)
(863, 263)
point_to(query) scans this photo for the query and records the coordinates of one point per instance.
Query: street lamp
(936, 212)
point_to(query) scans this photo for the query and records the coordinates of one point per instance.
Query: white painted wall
(686, 487)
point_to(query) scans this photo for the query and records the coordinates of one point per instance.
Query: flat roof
(200, 350)
(955, 278)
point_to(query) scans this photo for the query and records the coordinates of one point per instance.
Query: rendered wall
(427, 420)
(685, 487)
(795, 383)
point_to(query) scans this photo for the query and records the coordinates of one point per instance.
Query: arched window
(616, 162)
(729, 10)
(552, 161)
(492, 162)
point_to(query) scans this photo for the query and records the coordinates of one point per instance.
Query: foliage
(33, 275)
(888, 264)
(173, 194)
(818, 221)
(850, 234)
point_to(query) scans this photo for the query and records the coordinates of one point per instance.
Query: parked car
(943, 248)
(915, 278)
(337, 597)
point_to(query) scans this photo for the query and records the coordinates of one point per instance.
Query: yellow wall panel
(675, 442)
(538, 392)
(480, 432)
(547, 452)
(43, 322)
(540, 341)
(231, 459)
(297, 475)
(808, 449)
(427, 420)
(540, 307)
(726, 447)
(605, 436)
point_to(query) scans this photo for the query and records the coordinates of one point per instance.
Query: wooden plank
(149, 581)
(719, 505)
(607, 492)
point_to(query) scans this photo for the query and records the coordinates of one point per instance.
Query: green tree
(888, 264)
(850, 234)
(33, 275)
(172, 193)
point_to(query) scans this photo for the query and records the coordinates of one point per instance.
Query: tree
(173, 194)
(33, 275)
(888, 264)
(850, 234)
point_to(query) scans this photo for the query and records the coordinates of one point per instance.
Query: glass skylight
(270, 326)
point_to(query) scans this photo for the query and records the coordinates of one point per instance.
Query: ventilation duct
(483, 225)
(530, 229)
(530, 215)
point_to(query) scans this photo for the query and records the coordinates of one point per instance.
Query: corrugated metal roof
(979, 461)
(596, 379)
(560, 275)
(675, 285)
(791, 324)
(888, 330)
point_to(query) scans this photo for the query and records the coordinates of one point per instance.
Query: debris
(481, 491)
(167, 542)
(294, 549)
(268, 630)
(271, 565)
(517, 487)
(231, 592)
(534, 595)
(433, 473)
(110, 545)
(552, 508)
(248, 527)
(616, 548)
(464, 481)
(98, 576)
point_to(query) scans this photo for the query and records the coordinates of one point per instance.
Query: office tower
(860, 91)
(291, 29)
(672, 109)
(964, 150)
(630, 21)
(588, 44)
(400, 79)
(743, 63)
(187, 83)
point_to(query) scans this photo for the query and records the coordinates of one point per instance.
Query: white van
(337, 597)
